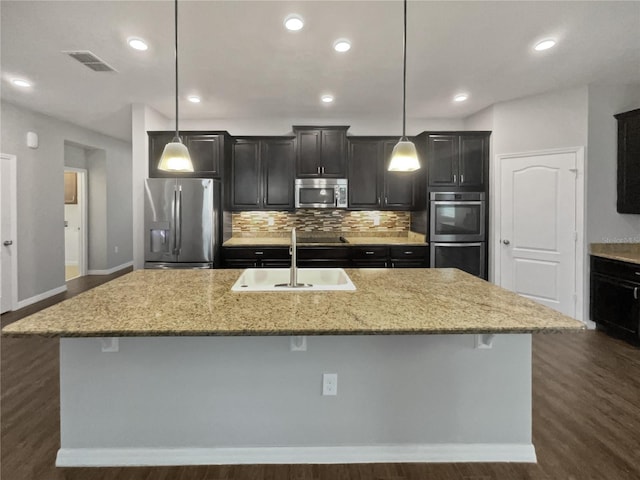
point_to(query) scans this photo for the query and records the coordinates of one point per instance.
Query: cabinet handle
(386, 200)
(637, 273)
(409, 252)
(455, 178)
(635, 293)
(369, 253)
(259, 253)
(461, 178)
(322, 168)
(379, 201)
(318, 170)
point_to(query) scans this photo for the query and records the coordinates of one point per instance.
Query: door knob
(6, 243)
(506, 242)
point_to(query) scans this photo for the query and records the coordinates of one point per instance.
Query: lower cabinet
(329, 257)
(255, 257)
(356, 256)
(615, 295)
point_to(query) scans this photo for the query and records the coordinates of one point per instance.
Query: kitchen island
(432, 364)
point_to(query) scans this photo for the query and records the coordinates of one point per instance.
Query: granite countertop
(624, 252)
(285, 241)
(200, 302)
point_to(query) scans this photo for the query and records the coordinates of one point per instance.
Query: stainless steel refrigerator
(182, 222)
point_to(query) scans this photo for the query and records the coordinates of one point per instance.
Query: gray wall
(41, 193)
(604, 223)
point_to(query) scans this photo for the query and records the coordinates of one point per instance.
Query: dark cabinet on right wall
(628, 161)
(458, 160)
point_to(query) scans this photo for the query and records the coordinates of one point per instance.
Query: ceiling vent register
(90, 60)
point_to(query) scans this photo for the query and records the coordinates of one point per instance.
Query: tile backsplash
(363, 223)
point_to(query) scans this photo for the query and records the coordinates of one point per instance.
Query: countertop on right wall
(624, 252)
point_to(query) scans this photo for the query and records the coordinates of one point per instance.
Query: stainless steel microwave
(321, 193)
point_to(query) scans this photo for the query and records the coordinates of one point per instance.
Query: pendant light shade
(404, 157)
(175, 156)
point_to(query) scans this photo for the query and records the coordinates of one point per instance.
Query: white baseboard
(111, 270)
(426, 453)
(42, 296)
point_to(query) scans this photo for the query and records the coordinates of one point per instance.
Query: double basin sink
(277, 280)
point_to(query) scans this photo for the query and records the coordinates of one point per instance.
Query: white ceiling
(244, 64)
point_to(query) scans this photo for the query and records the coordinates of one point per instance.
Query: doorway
(8, 233)
(75, 222)
(539, 219)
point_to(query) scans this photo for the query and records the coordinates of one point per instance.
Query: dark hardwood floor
(586, 419)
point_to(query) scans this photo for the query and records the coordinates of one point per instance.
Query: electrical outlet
(270, 221)
(376, 220)
(115, 249)
(330, 384)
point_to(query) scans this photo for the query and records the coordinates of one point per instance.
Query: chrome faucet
(293, 251)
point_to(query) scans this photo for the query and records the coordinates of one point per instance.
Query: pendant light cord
(404, 73)
(176, 43)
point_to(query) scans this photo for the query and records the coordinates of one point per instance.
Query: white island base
(251, 400)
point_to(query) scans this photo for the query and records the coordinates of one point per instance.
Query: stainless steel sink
(312, 279)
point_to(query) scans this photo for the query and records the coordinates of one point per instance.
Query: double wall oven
(457, 231)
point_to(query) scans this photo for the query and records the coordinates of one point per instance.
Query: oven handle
(447, 202)
(465, 244)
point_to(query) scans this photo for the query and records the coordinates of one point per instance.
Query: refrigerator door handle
(179, 221)
(175, 221)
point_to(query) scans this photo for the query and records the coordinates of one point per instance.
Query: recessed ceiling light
(19, 82)
(545, 44)
(461, 97)
(293, 23)
(194, 99)
(327, 98)
(342, 45)
(137, 43)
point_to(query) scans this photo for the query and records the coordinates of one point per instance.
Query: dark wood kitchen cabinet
(262, 173)
(615, 296)
(409, 256)
(371, 185)
(458, 160)
(208, 151)
(365, 173)
(321, 151)
(628, 161)
(256, 257)
(331, 257)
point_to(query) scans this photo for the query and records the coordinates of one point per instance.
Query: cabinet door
(364, 173)
(332, 157)
(629, 162)
(308, 155)
(398, 186)
(277, 174)
(157, 141)
(473, 155)
(442, 160)
(205, 151)
(245, 193)
(615, 302)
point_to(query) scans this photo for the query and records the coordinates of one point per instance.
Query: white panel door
(7, 234)
(538, 228)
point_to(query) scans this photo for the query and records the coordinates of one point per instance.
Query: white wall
(143, 119)
(375, 125)
(41, 193)
(604, 223)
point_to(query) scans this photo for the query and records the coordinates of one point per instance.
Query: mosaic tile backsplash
(248, 224)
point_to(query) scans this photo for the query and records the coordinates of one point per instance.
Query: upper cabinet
(458, 160)
(262, 173)
(321, 151)
(207, 151)
(628, 161)
(371, 185)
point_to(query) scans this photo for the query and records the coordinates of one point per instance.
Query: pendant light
(404, 157)
(175, 156)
